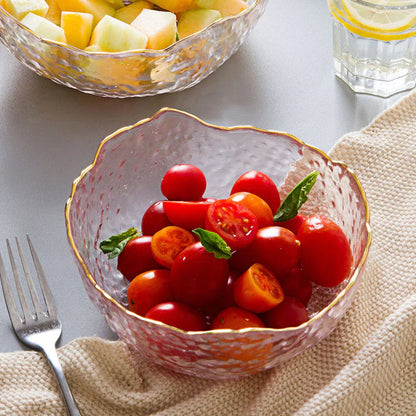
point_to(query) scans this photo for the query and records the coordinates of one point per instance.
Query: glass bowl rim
(163, 110)
(403, 5)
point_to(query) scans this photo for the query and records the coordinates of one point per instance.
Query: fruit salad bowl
(134, 73)
(112, 194)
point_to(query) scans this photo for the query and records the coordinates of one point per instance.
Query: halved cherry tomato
(326, 255)
(183, 183)
(296, 284)
(188, 214)
(236, 318)
(179, 315)
(292, 224)
(257, 289)
(154, 219)
(168, 242)
(290, 313)
(259, 184)
(236, 224)
(259, 207)
(147, 290)
(136, 258)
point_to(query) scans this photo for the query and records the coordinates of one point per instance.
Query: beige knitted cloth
(367, 366)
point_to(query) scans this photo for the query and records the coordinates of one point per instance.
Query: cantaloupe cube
(98, 8)
(44, 28)
(158, 26)
(225, 7)
(175, 5)
(77, 27)
(54, 12)
(128, 13)
(20, 8)
(112, 35)
(193, 21)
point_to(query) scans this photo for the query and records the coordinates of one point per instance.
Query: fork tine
(8, 296)
(47, 294)
(18, 281)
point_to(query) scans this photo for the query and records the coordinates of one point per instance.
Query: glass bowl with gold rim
(134, 73)
(112, 194)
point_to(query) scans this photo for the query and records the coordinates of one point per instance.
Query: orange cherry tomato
(236, 318)
(259, 207)
(257, 289)
(168, 242)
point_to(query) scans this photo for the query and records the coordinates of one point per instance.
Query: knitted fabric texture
(367, 366)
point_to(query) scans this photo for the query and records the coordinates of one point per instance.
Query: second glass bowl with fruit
(217, 252)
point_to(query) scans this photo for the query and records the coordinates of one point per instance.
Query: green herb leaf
(213, 243)
(177, 36)
(296, 198)
(114, 245)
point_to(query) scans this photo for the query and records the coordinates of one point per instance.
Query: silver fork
(42, 329)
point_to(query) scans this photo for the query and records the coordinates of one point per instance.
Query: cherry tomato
(183, 183)
(179, 315)
(147, 290)
(326, 256)
(292, 224)
(236, 318)
(168, 242)
(197, 277)
(136, 258)
(296, 284)
(236, 224)
(259, 184)
(188, 214)
(257, 289)
(290, 313)
(154, 219)
(256, 205)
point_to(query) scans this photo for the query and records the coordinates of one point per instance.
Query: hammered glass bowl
(113, 192)
(134, 73)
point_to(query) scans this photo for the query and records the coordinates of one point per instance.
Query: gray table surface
(280, 79)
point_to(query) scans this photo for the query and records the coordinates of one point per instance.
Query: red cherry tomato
(296, 284)
(293, 224)
(197, 277)
(257, 289)
(168, 242)
(236, 318)
(147, 290)
(290, 313)
(236, 224)
(178, 315)
(326, 256)
(256, 205)
(183, 183)
(188, 214)
(136, 258)
(259, 184)
(154, 219)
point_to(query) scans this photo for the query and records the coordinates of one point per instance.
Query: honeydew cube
(93, 48)
(77, 27)
(128, 13)
(112, 35)
(44, 28)
(158, 26)
(225, 7)
(54, 12)
(20, 8)
(98, 8)
(193, 21)
(175, 6)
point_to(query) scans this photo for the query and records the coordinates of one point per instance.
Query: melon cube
(77, 27)
(193, 21)
(158, 26)
(98, 8)
(225, 7)
(54, 12)
(112, 35)
(20, 8)
(128, 13)
(44, 28)
(175, 6)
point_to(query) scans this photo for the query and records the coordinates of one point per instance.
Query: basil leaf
(213, 243)
(296, 198)
(114, 245)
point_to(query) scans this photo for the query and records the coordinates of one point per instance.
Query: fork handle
(52, 357)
